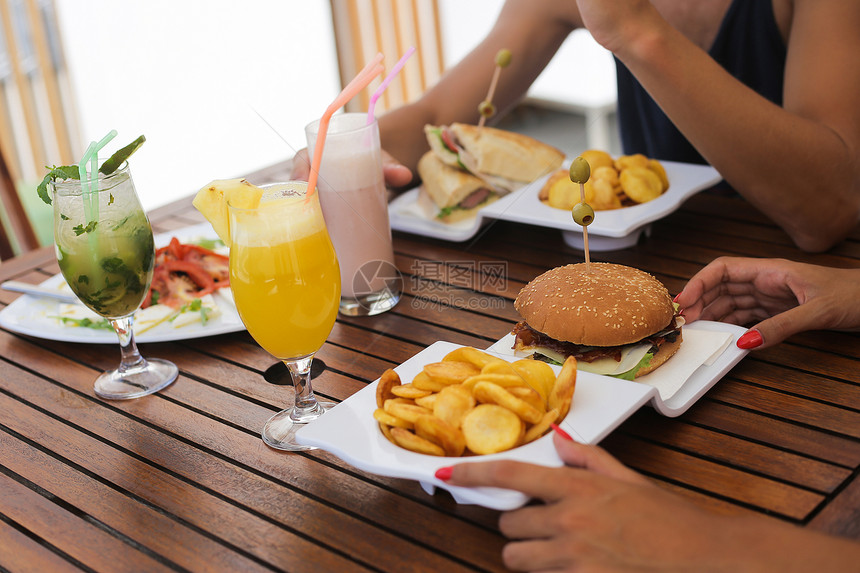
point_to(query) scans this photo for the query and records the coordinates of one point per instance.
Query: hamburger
(468, 167)
(616, 320)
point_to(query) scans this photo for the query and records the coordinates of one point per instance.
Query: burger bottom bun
(667, 351)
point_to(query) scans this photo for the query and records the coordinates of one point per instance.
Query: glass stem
(131, 358)
(306, 403)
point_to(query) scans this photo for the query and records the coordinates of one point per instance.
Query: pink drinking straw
(394, 71)
(359, 82)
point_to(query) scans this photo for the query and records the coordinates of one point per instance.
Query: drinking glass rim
(71, 187)
(298, 189)
(361, 117)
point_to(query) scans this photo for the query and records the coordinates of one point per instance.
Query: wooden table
(181, 480)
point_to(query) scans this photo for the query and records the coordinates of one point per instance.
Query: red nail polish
(750, 339)
(561, 432)
(677, 296)
(445, 473)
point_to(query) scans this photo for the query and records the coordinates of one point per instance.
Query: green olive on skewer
(583, 214)
(487, 109)
(580, 170)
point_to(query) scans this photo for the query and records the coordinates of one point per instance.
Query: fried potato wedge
(658, 168)
(409, 391)
(597, 158)
(423, 382)
(452, 404)
(451, 371)
(428, 401)
(442, 434)
(628, 161)
(504, 380)
(641, 184)
(472, 355)
(538, 374)
(529, 396)
(472, 403)
(489, 428)
(388, 380)
(487, 392)
(383, 417)
(386, 431)
(408, 440)
(537, 430)
(562, 392)
(408, 412)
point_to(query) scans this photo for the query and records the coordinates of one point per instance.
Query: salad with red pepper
(185, 272)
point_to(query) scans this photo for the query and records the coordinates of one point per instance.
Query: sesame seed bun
(611, 305)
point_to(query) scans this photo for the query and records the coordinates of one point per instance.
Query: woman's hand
(599, 515)
(787, 297)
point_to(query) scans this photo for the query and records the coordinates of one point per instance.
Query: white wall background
(193, 75)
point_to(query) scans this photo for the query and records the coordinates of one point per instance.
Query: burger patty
(529, 337)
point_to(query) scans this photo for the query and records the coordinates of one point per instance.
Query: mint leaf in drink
(80, 229)
(72, 171)
(64, 172)
(118, 158)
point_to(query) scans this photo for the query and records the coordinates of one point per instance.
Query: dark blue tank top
(748, 45)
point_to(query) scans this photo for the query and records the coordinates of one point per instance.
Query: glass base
(148, 378)
(280, 430)
(370, 304)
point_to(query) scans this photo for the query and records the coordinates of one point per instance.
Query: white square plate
(615, 229)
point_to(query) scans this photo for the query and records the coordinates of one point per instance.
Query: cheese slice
(630, 356)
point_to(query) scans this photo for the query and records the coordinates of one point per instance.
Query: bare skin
(785, 296)
(802, 158)
(599, 515)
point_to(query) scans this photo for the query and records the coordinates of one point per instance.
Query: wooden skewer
(585, 232)
(490, 93)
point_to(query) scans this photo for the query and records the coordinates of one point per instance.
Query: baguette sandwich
(468, 167)
(449, 194)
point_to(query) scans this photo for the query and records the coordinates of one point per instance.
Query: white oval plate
(34, 316)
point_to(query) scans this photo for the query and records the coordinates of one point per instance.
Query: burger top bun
(609, 306)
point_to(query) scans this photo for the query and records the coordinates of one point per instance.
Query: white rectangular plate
(699, 382)
(33, 316)
(600, 404)
(613, 229)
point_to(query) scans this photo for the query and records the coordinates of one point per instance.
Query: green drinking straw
(90, 193)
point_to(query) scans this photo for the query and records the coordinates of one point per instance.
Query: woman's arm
(799, 164)
(532, 30)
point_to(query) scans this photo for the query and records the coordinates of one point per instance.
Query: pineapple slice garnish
(212, 200)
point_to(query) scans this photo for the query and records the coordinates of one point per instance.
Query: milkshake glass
(355, 207)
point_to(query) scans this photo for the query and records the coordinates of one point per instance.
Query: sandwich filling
(618, 361)
(452, 153)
